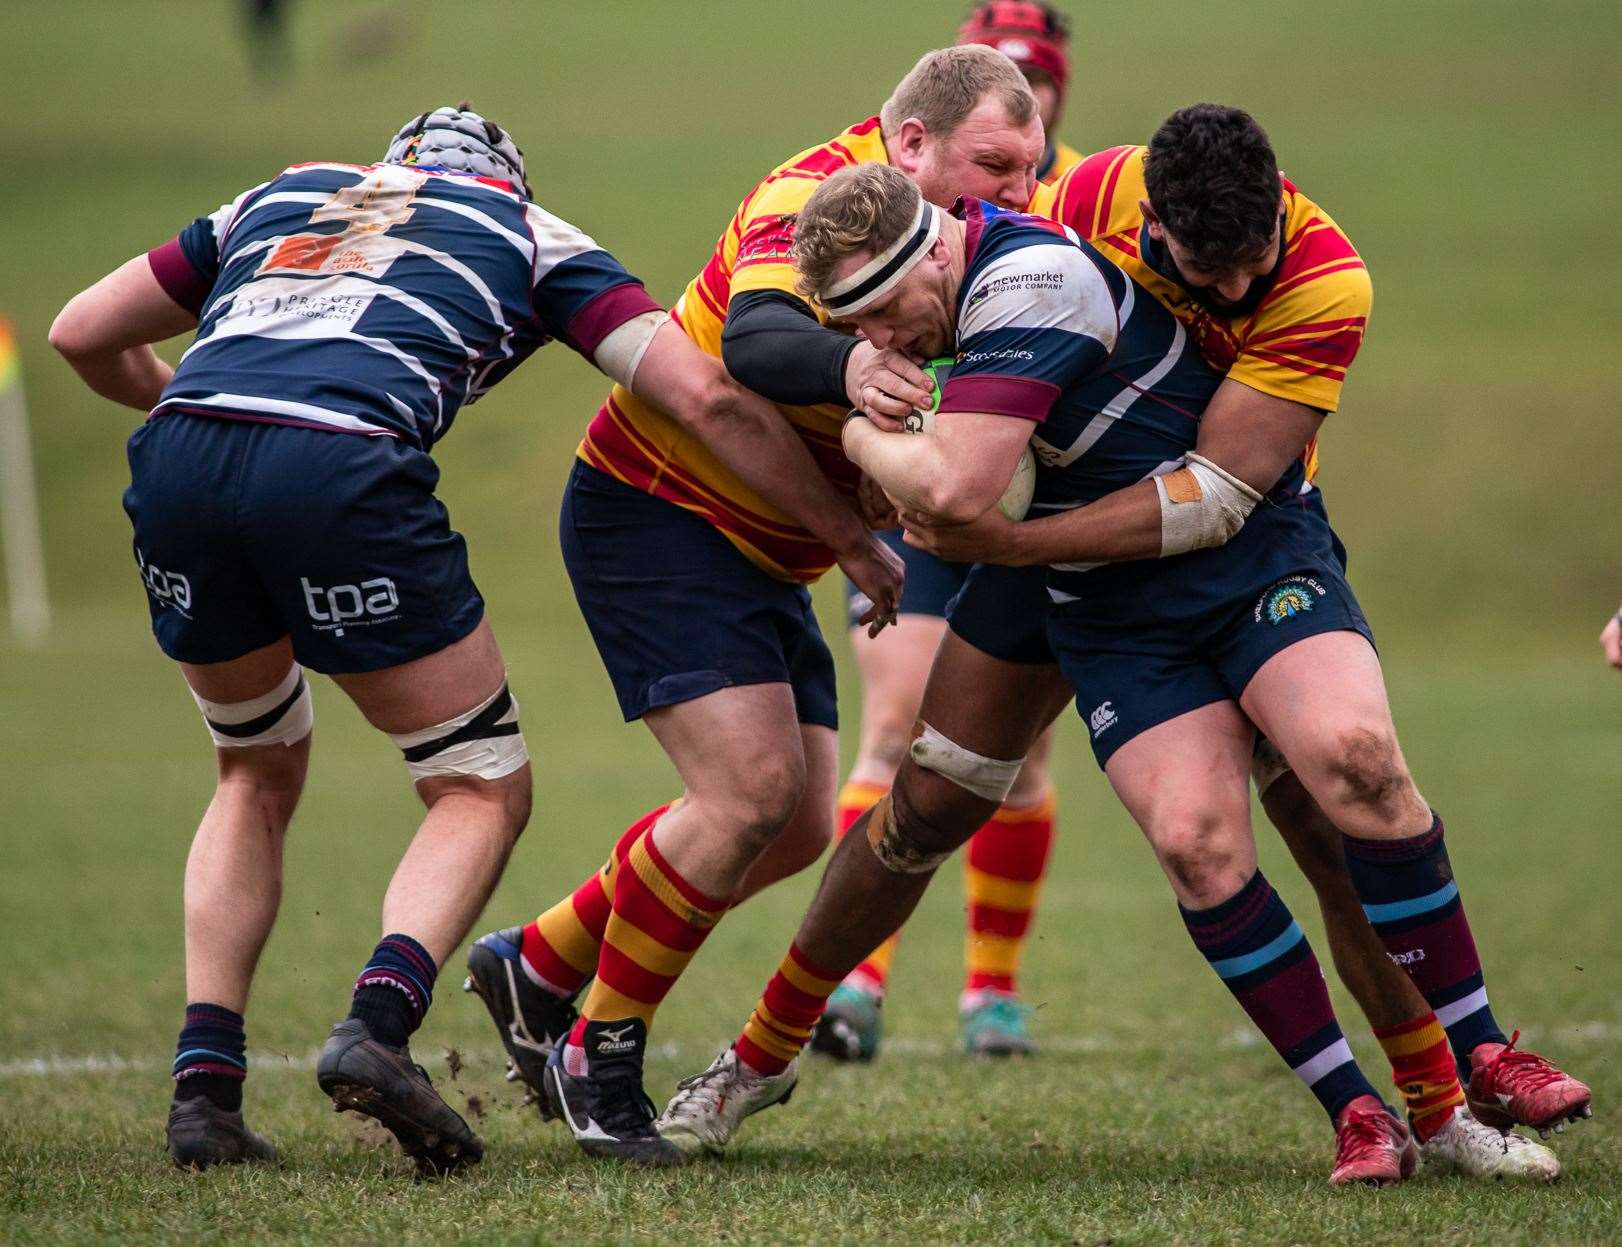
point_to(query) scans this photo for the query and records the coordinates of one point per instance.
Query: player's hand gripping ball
(1016, 499)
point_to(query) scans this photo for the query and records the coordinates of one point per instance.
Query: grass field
(1462, 146)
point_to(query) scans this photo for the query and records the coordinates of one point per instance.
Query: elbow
(70, 335)
(955, 501)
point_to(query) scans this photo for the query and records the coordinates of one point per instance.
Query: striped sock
(394, 990)
(559, 949)
(1260, 953)
(1423, 1069)
(784, 1016)
(873, 974)
(211, 1056)
(1408, 893)
(657, 924)
(1002, 879)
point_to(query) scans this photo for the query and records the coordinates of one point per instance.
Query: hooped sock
(211, 1056)
(1002, 880)
(394, 990)
(1423, 1069)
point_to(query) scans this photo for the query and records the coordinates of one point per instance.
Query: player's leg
(1422, 1067)
(1003, 869)
(1322, 701)
(1186, 783)
(982, 714)
(210, 614)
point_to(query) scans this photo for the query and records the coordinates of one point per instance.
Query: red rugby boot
(1372, 1146)
(1512, 1087)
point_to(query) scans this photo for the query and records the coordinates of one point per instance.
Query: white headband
(880, 275)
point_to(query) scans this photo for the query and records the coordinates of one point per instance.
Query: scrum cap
(459, 139)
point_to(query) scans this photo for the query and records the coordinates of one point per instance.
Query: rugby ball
(1016, 499)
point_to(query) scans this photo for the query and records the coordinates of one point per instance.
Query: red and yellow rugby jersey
(636, 443)
(1296, 344)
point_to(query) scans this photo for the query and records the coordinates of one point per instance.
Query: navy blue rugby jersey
(378, 299)
(1052, 332)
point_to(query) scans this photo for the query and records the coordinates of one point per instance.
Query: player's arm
(105, 334)
(1610, 639)
(1246, 442)
(953, 474)
(758, 445)
(776, 343)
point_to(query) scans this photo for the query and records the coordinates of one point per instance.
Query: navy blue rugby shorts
(1145, 642)
(677, 611)
(248, 532)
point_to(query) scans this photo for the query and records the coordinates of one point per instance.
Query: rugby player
(285, 519)
(1163, 701)
(694, 589)
(1007, 858)
(1610, 639)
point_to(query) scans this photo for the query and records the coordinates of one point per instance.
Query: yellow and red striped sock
(657, 923)
(785, 1015)
(873, 974)
(559, 949)
(1422, 1066)
(1002, 879)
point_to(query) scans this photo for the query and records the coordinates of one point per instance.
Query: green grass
(1465, 148)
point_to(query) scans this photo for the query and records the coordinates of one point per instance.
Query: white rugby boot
(708, 1107)
(1467, 1147)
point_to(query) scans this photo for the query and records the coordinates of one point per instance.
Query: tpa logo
(351, 606)
(1103, 718)
(169, 588)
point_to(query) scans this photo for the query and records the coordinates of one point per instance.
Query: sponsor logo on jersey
(362, 605)
(1102, 719)
(1007, 352)
(1289, 599)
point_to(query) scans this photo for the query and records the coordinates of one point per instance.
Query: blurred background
(1468, 149)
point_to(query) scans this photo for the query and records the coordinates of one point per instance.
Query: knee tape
(283, 716)
(485, 742)
(895, 851)
(1267, 765)
(990, 778)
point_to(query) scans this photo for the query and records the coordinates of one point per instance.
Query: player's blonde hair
(946, 85)
(863, 207)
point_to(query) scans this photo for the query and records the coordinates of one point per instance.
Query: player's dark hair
(1213, 182)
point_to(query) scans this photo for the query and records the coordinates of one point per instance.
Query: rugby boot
(385, 1084)
(851, 1025)
(708, 1107)
(202, 1134)
(1464, 1146)
(529, 1019)
(997, 1024)
(1512, 1087)
(597, 1091)
(1372, 1145)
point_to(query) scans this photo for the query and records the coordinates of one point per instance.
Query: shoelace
(1523, 1071)
(1361, 1130)
(622, 1107)
(703, 1087)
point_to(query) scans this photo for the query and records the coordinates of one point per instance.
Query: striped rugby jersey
(378, 299)
(1050, 331)
(1301, 337)
(637, 444)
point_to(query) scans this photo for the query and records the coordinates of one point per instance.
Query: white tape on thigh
(283, 716)
(990, 778)
(1267, 764)
(485, 742)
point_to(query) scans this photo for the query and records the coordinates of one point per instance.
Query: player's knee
(283, 716)
(507, 798)
(921, 824)
(764, 795)
(1368, 767)
(270, 781)
(1204, 857)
